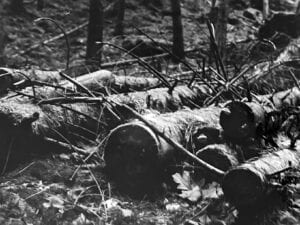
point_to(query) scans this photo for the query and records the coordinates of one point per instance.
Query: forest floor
(57, 188)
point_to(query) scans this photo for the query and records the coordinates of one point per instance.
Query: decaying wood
(247, 184)
(249, 119)
(136, 157)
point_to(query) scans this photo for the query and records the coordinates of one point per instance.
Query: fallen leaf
(192, 195)
(189, 190)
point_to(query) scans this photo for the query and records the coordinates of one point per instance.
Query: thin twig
(64, 34)
(8, 155)
(141, 62)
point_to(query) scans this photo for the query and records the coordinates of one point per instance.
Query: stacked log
(136, 157)
(241, 120)
(248, 183)
(81, 121)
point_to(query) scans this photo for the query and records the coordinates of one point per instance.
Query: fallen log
(137, 158)
(72, 119)
(16, 75)
(242, 120)
(98, 81)
(164, 99)
(276, 74)
(248, 183)
(158, 99)
(24, 127)
(103, 81)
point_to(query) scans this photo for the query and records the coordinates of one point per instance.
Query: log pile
(242, 120)
(137, 156)
(64, 113)
(248, 183)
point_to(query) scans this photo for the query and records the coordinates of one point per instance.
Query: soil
(61, 189)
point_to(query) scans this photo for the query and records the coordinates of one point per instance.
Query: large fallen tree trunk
(136, 158)
(248, 183)
(98, 81)
(164, 99)
(249, 119)
(158, 99)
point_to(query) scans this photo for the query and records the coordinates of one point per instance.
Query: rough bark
(136, 158)
(248, 183)
(95, 32)
(178, 42)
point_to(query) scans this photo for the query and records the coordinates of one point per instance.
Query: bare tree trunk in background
(40, 4)
(178, 45)
(95, 32)
(298, 7)
(2, 39)
(2, 45)
(219, 17)
(120, 7)
(266, 9)
(17, 6)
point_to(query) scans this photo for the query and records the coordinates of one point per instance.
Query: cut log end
(241, 120)
(219, 156)
(243, 186)
(131, 155)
